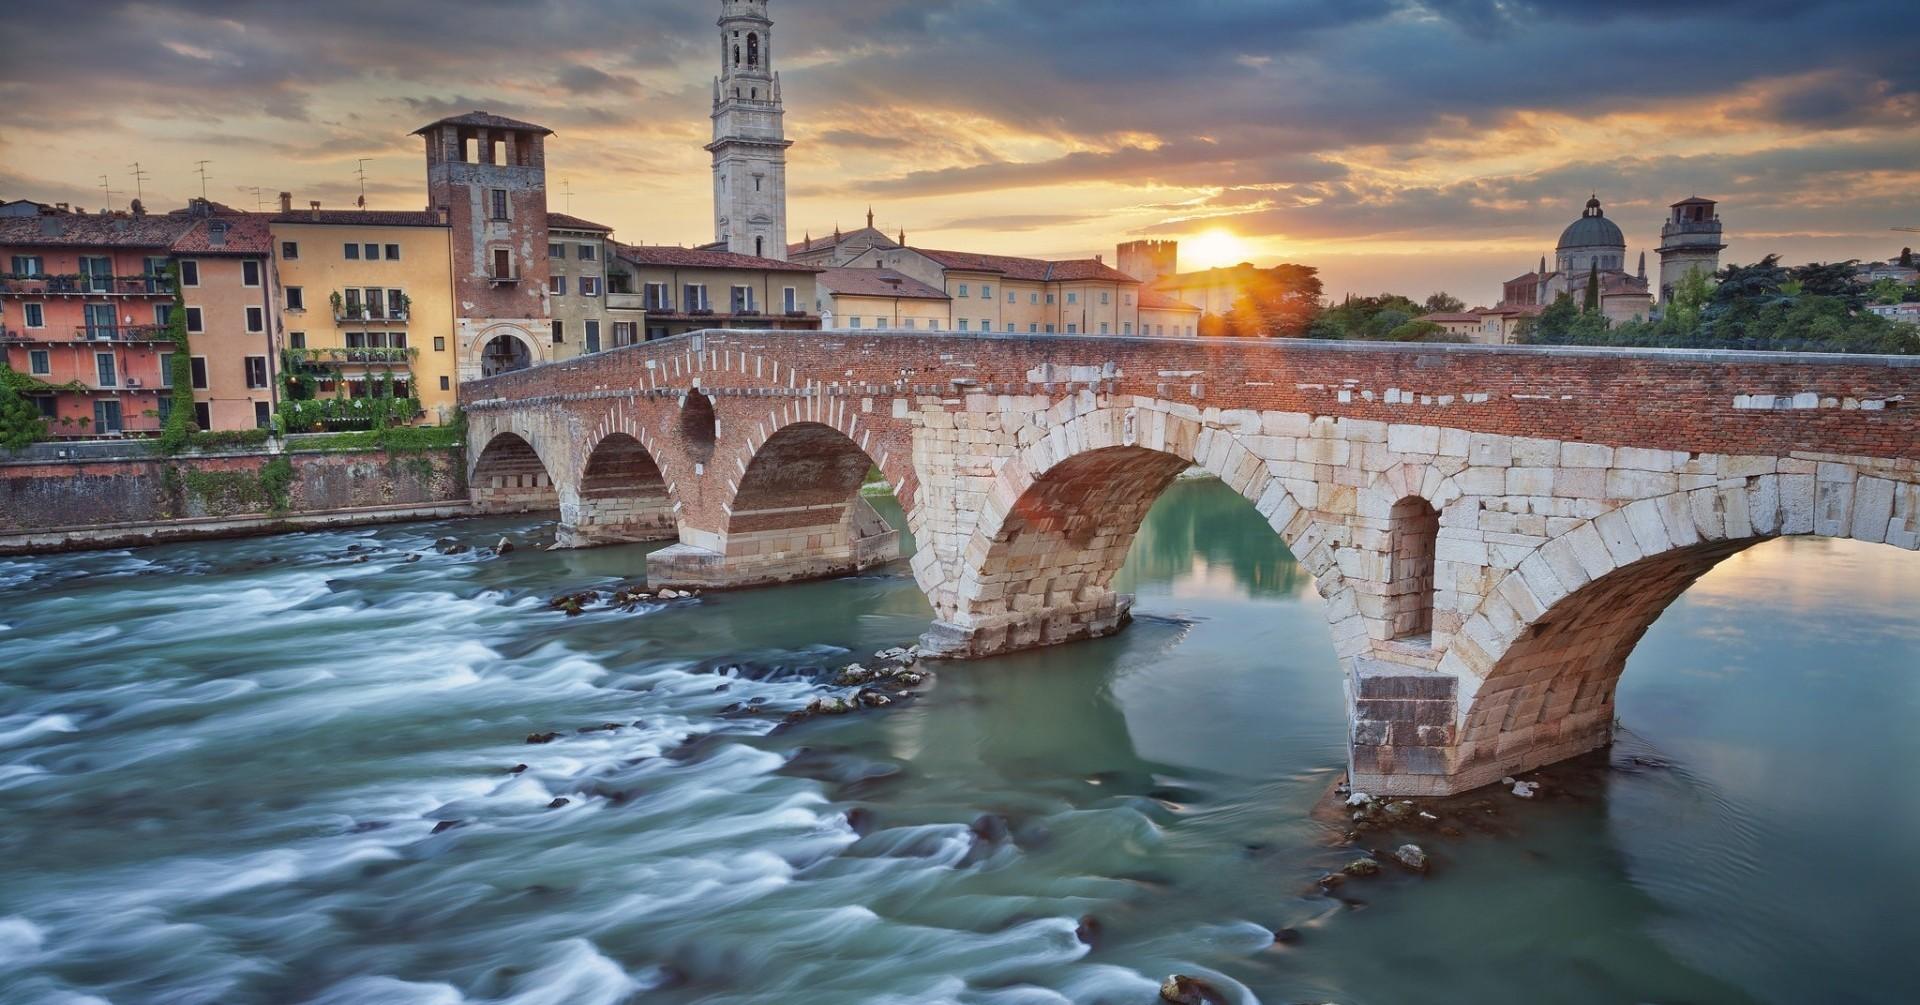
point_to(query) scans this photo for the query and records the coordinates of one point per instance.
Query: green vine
(176, 435)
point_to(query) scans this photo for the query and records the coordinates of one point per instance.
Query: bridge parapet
(1497, 523)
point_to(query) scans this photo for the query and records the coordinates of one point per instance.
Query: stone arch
(623, 495)
(494, 336)
(1413, 532)
(1538, 664)
(1061, 518)
(509, 476)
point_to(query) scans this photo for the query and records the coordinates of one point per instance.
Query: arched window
(736, 55)
(759, 247)
(753, 49)
(1415, 525)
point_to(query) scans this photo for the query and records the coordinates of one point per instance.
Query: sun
(1213, 249)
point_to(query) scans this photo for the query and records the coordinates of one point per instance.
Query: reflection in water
(268, 771)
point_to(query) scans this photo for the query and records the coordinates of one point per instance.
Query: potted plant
(334, 299)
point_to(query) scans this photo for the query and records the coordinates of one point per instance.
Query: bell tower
(749, 136)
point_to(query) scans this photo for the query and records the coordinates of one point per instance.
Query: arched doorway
(504, 354)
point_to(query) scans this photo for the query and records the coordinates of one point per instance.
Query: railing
(76, 285)
(628, 302)
(333, 356)
(365, 314)
(123, 333)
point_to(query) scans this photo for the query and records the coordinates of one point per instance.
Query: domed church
(1591, 244)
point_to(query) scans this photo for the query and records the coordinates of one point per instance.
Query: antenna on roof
(360, 171)
(259, 197)
(139, 176)
(566, 186)
(108, 189)
(201, 168)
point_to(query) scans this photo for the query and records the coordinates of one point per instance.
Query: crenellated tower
(1690, 241)
(749, 136)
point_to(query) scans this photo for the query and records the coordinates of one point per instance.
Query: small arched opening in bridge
(1414, 530)
(504, 354)
(623, 497)
(699, 426)
(798, 514)
(510, 477)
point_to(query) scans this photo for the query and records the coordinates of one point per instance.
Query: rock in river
(1411, 856)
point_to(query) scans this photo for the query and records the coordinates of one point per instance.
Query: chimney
(1101, 259)
(139, 208)
(286, 202)
(313, 210)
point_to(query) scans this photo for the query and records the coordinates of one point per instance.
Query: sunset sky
(1410, 145)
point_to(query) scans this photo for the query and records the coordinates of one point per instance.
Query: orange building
(227, 286)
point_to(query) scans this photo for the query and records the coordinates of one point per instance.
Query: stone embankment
(73, 497)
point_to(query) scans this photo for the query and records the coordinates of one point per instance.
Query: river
(280, 770)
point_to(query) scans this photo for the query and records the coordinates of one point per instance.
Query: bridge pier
(1032, 623)
(784, 546)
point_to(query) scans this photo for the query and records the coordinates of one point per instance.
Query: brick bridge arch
(1491, 528)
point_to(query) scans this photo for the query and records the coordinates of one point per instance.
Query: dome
(1593, 230)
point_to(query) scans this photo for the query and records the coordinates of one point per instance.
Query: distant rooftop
(485, 120)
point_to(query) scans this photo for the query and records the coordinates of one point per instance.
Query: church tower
(1690, 241)
(749, 138)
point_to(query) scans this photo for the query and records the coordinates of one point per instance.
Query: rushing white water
(288, 770)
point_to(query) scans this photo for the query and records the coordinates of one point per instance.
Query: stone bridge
(1492, 529)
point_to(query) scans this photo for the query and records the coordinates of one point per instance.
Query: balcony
(123, 333)
(85, 286)
(336, 357)
(627, 302)
(363, 315)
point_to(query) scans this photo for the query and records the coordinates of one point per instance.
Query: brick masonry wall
(43, 495)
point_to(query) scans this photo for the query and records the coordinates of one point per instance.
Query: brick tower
(749, 136)
(1690, 241)
(487, 176)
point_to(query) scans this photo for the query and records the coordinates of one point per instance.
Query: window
(444, 385)
(36, 315)
(372, 253)
(1012, 297)
(398, 340)
(1072, 298)
(963, 324)
(250, 273)
(96, 273)
(103, 369)
(557, 285)
(101, 321)
(986, 325)
(203, 415)
(40, 364)
(256, 371)
(986, 292)
(908, 323)
(397, 304)
(297, 340)
(498, 201)
(742, 300)
(1049, 329)
(502, 263)
(256, 319)
(194, 323)
(199, 373)
(262, 415)
(1072, 329)
(879, 322)
(1104, 297)
(657, 297)
(759, 247)
(694, 297)
(352, 306)
(559, 332)
(290, 250)
(1033, 329)
(376, 306)
(352, 252)
(1034, 299)
(790, 300)
(589, 286)
(853, 322)
(556, 251)
(1126, 327)
(962, 291)
(1104, 329)
(29, 265)
(189, 272)
(439, 343)
(106, 417)
(586, 253)
(593, 336)
(625, 333)
(393, 252)
(296, 298)
(1127, 299)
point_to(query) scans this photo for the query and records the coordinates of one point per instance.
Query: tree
(1280, 302)
(1553, 326)
(1445, 303)
(1593, 288)
(179, 427)
(1906, 258)
(21, 423)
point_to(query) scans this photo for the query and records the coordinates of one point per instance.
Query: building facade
(577, 285)
(838, 249)
(366, 296)
(488, 174)
(1690, 241)
(1149, 261)
(749, 137)
(1001, 293)
(881, 298)
(225, 262)
(671, 291)
(1162, 315)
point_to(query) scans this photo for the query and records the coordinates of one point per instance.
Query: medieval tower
(1691, 240)
(749, 138)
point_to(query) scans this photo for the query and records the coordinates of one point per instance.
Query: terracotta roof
(1151, 300)
(564, 221)
(823, 243)
(1456, 316)
(1030, 269)
(1692, 200)
(1510, 310)
(82, 229)
(362, 217)
(878, 283)
(484, 120)
(694, 258)
(247, 234)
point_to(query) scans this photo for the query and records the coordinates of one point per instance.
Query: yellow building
(881, 298)
(364, 294)
(1162, 315)
(659, 292)
(1001, 293)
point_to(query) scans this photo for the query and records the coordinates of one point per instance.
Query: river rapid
(281, 770)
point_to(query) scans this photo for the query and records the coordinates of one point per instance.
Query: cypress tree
(1593, 288)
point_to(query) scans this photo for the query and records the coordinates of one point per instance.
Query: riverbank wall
(74, 497)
